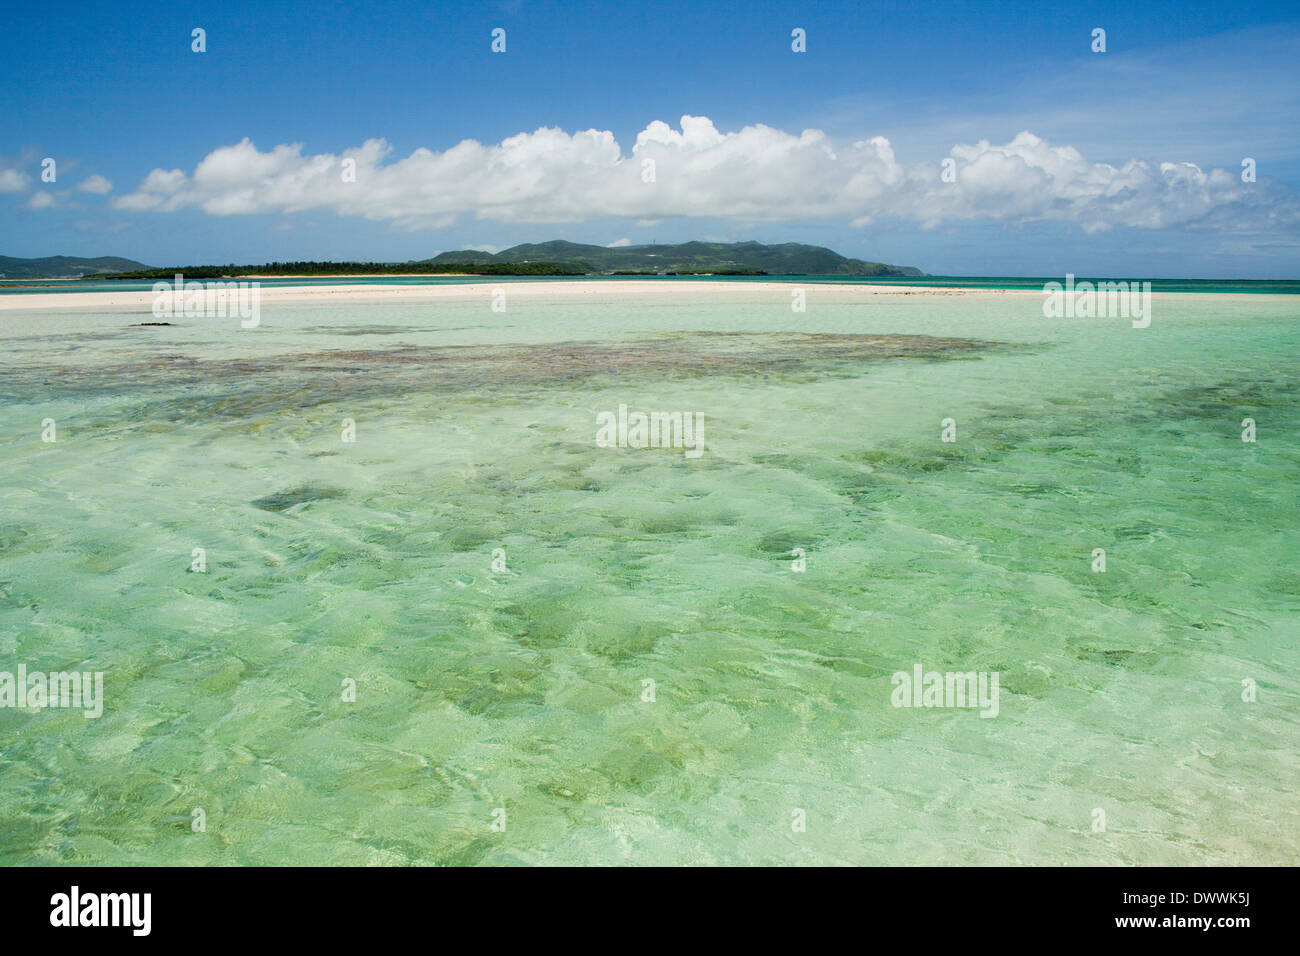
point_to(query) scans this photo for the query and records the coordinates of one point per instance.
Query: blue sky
(118, 93)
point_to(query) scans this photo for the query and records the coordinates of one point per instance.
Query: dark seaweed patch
(284, 500)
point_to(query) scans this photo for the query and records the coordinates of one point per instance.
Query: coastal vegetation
(358, 268)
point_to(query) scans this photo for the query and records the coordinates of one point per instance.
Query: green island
(562, 258)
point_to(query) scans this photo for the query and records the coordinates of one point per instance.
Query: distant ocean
(1257, 286)
(474, 636)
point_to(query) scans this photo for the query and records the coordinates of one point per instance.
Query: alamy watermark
(923, 688)
(208, 300)
(1099, 300)
(75, 908)
(37, 690)
(625, 429)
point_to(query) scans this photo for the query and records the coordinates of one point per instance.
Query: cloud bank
(758, 174)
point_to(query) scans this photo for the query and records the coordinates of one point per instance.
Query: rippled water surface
(372, 561)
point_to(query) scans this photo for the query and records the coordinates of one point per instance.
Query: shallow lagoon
(523, 689)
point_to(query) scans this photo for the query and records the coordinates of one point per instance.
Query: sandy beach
(586, 290)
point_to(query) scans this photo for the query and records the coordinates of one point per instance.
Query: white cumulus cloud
(12, 181)
(95, 183)
(755, 174)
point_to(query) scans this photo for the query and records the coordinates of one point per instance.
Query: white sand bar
(612, 291)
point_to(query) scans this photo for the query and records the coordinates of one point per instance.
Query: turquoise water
(1024, 283)
(372, 561)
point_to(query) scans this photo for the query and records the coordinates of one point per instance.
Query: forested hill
(790, 258)
(64, 267)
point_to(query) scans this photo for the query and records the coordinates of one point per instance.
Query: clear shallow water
(476, 690)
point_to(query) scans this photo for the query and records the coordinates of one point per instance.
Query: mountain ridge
(788, 258)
